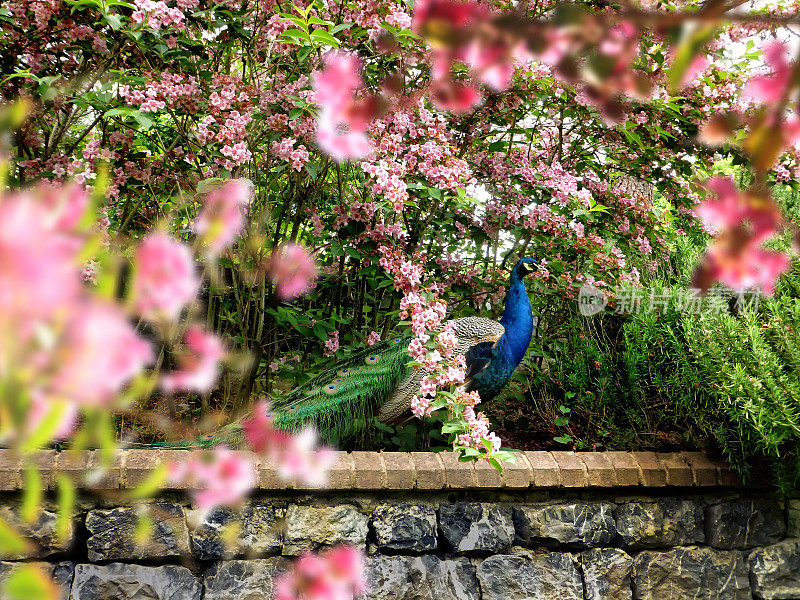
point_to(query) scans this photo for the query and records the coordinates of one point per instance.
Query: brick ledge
(396, 471)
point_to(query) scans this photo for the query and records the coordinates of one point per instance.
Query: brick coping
(398, 471)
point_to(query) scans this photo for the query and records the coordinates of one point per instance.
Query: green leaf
(318, 21)
(341, 27)
(152, 483)
(690, 46)
(29, 582)
(11, 541)
(563, 439)
(323, 38)
(66, 507)
(293, 35)
(32, 495)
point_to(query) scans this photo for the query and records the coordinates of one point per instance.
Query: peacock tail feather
(342, 401)
(339, 402)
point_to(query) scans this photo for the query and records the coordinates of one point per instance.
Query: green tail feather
(341, 401)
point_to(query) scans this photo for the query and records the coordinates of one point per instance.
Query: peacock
(378, 381)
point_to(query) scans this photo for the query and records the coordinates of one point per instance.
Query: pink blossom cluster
(217, 477)
(68, 348)
(199, 364)
(157, 14)
(176, 90)
(222, 217)
(300, 457)
(478, 430)
(296, 157)
(276, 364)
(332, 343)
(373, 338)
(343, 118)
(337, 574)
(292, 270)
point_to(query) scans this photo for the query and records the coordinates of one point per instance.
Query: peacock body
(378, 381)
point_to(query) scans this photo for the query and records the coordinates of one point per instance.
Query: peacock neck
(517, 320)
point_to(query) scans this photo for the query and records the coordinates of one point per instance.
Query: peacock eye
(344, 372)
(329, 389)
(371, 360)
(339, 380)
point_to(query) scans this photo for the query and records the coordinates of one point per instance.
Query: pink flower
(217, 478)
(340, 144)
(343, 121)
(200, 366)
(43, 408)
(731, 208)
(292, 270)
(336, 83)
(38, 270)
(65, 206)
(337, 574)
(771, 88)
(742, 220)
(99, 354)
(222, 216)
(455, 97)
(754, 267)
(431, 16)
(165, 279)
(332, 343)
(298, 455)
(373, 338)
(303, 460)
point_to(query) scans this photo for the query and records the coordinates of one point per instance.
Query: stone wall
(640, 527)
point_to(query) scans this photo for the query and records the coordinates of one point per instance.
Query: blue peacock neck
(517, 319)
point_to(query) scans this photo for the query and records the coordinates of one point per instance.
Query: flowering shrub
(214, 148)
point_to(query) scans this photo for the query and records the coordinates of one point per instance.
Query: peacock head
(524, 266)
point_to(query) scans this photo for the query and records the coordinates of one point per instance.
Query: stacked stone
(428, 548)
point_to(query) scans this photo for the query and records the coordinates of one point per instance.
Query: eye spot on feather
(330, 389)
(371, 360)
(339, 380)
(344, 372)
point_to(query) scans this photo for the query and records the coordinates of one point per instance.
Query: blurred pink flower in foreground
(751, 267)
(373, 338)
(42, 408)
(743, 220)
(337, 574)
(342, 121)
(732, 208)
(772, 88)
(37, 272)
(65, 347)
(98, 354)
(165, 279)
(222, 217)
(200, 366)
(292, 270)
(219, 477)
(297, 455)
